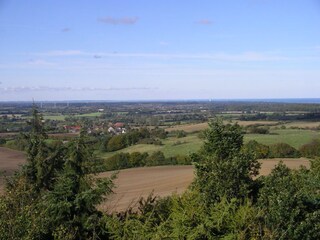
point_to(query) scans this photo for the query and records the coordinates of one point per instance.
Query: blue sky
(165, 49)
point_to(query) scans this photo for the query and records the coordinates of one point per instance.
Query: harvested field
(165, 180)
(140, 182)
(302, 124)
(134, 183)
(9, 162)
(293, 163)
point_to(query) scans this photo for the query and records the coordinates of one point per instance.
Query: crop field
(9, 162)
(302, 124)
(131, 184)
(135, 183)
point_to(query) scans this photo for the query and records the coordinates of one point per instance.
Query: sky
(159, 49)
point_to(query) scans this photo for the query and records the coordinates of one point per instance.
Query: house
(111, 130)
(118, 125)
(72, 129)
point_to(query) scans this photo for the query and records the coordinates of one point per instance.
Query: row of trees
(55, 196)
(283, 150)
(137, 159)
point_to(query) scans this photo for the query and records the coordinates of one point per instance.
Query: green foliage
(291, 203)
(283, 150)
(2, 141)
(138, 159)
(224, 170)
(156, 159)
(254, 129)
(259, 150)
(311, 149)
(117, 161)
(158, 133)
(72, 203)
(179, 133)
(117, 142)
(54, 196)
(222, 141)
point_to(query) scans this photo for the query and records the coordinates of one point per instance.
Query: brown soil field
(135, 183)
(9, 162)
(303, 124)
(131, 184)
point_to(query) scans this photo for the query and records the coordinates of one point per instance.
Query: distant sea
(273, 100)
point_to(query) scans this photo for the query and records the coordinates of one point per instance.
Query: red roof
(119, 125)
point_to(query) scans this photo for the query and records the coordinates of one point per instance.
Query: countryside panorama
(192, 120)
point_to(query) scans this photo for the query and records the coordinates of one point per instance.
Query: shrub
(259, 150)
(155, 159)
(311, 149)
(283, 150)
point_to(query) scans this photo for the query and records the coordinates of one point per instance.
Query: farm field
(9, 162)
(191, 143)
(302, 124)
(135, 183)
(171, 146)
(293, 137)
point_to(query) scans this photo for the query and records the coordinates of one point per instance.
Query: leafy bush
(259, 150)
(257, 130)
(283, 150)
(311, 149)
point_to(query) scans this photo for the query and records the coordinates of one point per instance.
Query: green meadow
(173, 146)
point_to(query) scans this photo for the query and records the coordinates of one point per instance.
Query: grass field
(170, 148)
(294, 137)
(192, 143)
(54, 117)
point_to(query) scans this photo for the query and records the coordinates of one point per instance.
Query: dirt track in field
(140, 182)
